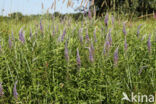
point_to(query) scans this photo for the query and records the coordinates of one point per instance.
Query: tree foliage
(128, 6)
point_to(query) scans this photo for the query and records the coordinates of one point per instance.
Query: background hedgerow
(44, 75)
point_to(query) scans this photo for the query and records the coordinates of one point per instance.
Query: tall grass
(45, 75)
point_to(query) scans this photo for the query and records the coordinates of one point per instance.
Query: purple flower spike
(116, 56)
(13, 38)
(66, 52)
(109, 37)
(138, 30)
(78, 58)
(91, 55)
(30, 33)
(89, 14)
(104, 49)
(80, 35)
(95, 35)
(149, 43)
(10, 42)
(124, 29)
(63, 35)
(92, 47)
(15, 91)
(107, 45)
(106, 19)
(41, 27)
(87, 36)
(0, 47)
(1, 90)
(53, 31)
(21, 35)
(125, 45)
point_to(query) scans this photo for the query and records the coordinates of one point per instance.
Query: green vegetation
(42, 56)
(135, 7)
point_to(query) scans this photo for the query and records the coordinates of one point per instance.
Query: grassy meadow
(67, 61)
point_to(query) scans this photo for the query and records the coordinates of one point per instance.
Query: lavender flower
(106, 19)
(87, 36)
(125, 44)
(53, 31)
(80, 36)
(66, 52)
(138, 30)
(15, 91)
(1, 90)
(113, 19)
(0, 47)
(63, 35)
(92, 47)
(13, 38)
(91, 55)
(30, 33)
(149, 43)
(78, 58)
(107, 45)
(10, 42)
(124, 29)
(41, 27)
(116, 56)
(104, 49)
(21, 36)
(109, 37)
(89, 14)
(95, 35)
(154, 16)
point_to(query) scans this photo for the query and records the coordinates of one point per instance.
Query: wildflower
(10, 42)
(13, 38)
(30, 33)
(0, 47)
(106, 19)
(104, 49)
(80, 36)
(89, 14)
(15, 91)
(53, 31)
(78, 58)
(92, 47)
(91, 55)
(125, 44)
(66, 52)
(63, 35)
(95, 35)
(116, 56)
(149, 43)
(109, 37)
(1, 90)
(87, 36)
(41, 27)
(107, 45)
(21, 35)
(138, 30)
(124, 29)
(154, 16)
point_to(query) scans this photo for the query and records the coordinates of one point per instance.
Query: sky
(27, 7)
